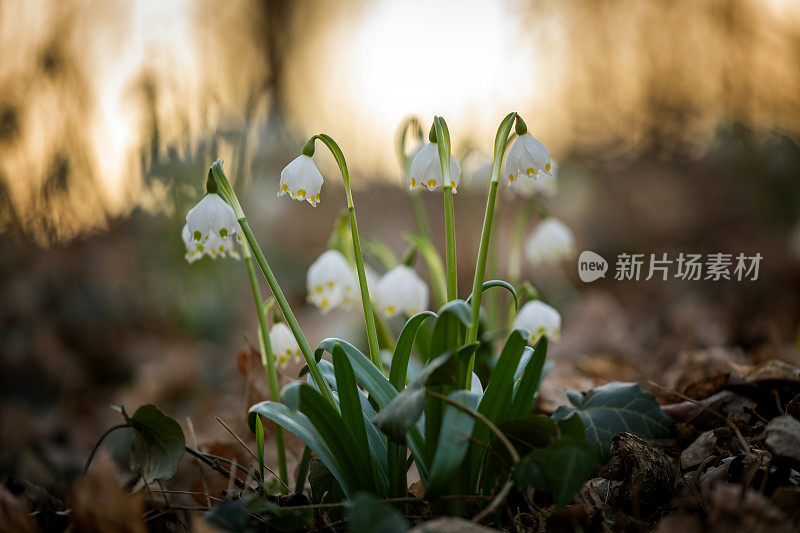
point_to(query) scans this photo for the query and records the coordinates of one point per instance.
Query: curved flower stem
(443, 144)
(420, 220)
(500, 142)
(218, 175)
(268, 362)
(369, 318)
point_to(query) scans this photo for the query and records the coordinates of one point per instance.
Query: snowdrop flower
(426, 169)
(551, 241)
(526, 158)
(302, 180)
(331, 282)
(284, 345)
(544, 184)
(401, 291)
(538, 319)
(214, 246)
(211, 216)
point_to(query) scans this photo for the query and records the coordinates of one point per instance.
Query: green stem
(384, 332)
(369, 319)
(518, 231)
(286, 310)
(500, 142)
(443, 144)
(420, 219)
(267, 362)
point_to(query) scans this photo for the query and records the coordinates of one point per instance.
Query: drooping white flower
(426, 169)
(211, 216)
(331, 282)
(526, 158)
(538, 319)
(401, 291)
(214, 246)
(302, 180)
(543, 184)
(284, 345)
(550, 241)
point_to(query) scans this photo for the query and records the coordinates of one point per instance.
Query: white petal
(211, 215)
(302, 180)
(550, 241)
(401, 291)
(538, 319)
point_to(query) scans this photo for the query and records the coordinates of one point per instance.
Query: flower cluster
(211, 229)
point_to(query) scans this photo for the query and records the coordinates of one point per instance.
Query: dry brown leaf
(99, 504)
(14, 514)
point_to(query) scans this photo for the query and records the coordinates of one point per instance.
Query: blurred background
(675, 124)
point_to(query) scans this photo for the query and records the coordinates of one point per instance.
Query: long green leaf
(368, 374)
(454, 317)
(298, 424)
(330, 425)
(350, 406)
(453, 445)
(378, 388)
(499, 392)
(526, 387)
(402, 351)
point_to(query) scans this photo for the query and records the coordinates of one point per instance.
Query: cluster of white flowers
(332, 282)
(539, 319)
(401, 291)
(283, 343)
(426, 169)
(301, 180)
(210, 229)
(550, 241)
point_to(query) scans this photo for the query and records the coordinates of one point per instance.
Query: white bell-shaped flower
(550, 241)
(211, 216)
(526, 158)
(545, 185)
(302, 180)
(538, 319)
(331, 282)
(284, 345)
(401, 291)
(426, 169)
(214, 246)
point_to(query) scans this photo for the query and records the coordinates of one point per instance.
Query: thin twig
(689, 399)
(238, 438)
(215, 466)
(193, 436)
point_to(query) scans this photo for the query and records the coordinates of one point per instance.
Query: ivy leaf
(616, 408)
(158, 443)
(561, 467)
